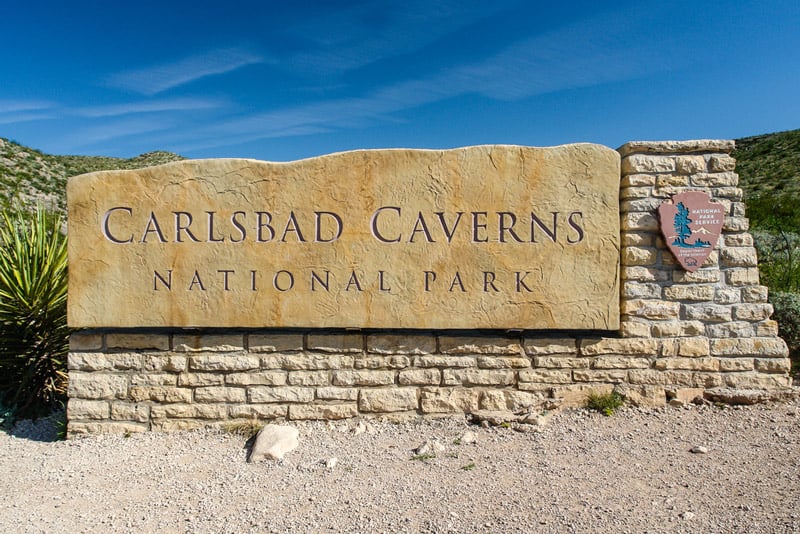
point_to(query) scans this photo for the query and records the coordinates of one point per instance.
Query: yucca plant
(34, 338)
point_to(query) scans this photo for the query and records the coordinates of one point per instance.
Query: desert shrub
(779, 259)
(787, 313)
(33, 316)
(605, 403)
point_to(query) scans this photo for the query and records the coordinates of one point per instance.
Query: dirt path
(632, 472)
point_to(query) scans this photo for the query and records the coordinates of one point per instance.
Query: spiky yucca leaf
(33, 320)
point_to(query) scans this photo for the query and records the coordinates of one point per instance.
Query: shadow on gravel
(46, 429)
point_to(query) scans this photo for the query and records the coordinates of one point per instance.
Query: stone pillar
(713, 326)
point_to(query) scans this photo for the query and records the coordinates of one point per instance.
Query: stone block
(687, 364)
(172, 363)
(479, 345)
(220, 394)
(627, 346)
(639, 204)
(689, 292)
(503, 362)
(721, 163)
(337, 393)
(684, 395)
(419, 377)
(87, 409)
(639, 256)
(80, 428)
(178, 425)
(561, 362)
(701, 276)
(153, 379)
(643, 396)
(449, 400)
(597, 375)
(743, 276)
(637, 180)
(401, 344)
(137, 341)
(88, 361)
(731, 329)
(85, 341)
(309, 378)
(546, 346)
(725, 295)
(363, 378)
(752, 312)
(477, 377)
(307, 361)
(693, 347)
(638, 163)
(634, 328)
(322, 412)
(275, 342)
(727, 365)
(208, 342)
(690, 164)
(126, 411)
(651, 309)
(635, 192)
(337, 343)
(268, 394)
(738, 257)
(767, 328)
(716, 179)
(738, 240)
(639, 222)
(190, 411)
(670, 180)
(258, 411)
(163, 394)
(236, 361)
(755, 294)
(639, 290)
(708, 312)
(381, 362)
(575, 396)
(675, 328)
(257, 378)
(736, 224)
(445, 361)
(97, 386)
(754, 346)
(637, 239)
(387, 400)
(620, 362)
(734, 194)
(201, 379)
(546, 376)
(772, 365)
(757, 381)
(645, 274)
(510, 400)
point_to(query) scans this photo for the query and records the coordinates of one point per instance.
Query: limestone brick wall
(679, 331)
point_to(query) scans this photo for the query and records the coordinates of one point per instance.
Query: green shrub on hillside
(33, 316)
(787, 313)
(779, 259)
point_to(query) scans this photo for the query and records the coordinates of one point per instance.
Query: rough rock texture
(480, 237)
(273, 442)
(582, 472)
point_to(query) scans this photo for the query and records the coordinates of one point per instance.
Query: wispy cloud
(16, 111)
(157, 79)
(150, 106)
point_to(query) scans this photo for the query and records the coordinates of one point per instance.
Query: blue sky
(286, 80)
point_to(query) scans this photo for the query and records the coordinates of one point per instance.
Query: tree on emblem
(682, 222)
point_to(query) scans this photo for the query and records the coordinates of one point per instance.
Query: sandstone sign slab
(496, 237)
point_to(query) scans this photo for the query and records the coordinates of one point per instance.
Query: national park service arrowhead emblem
(691, 223)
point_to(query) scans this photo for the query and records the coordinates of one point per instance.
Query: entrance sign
(691, 223)
(496, 237)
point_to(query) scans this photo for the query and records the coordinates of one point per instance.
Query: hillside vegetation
(28, 175)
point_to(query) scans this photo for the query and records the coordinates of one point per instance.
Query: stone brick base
(679, 330)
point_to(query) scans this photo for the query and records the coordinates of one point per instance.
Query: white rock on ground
(273, 442)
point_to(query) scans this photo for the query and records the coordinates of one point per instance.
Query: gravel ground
(632, 472)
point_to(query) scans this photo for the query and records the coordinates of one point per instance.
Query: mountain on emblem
(684, 219)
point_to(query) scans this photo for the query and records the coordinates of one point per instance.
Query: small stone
(331, 463)
(467, 438)
(699, 449)
(429, 447)
(273, 442)
(686, 515)
(360, 428)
